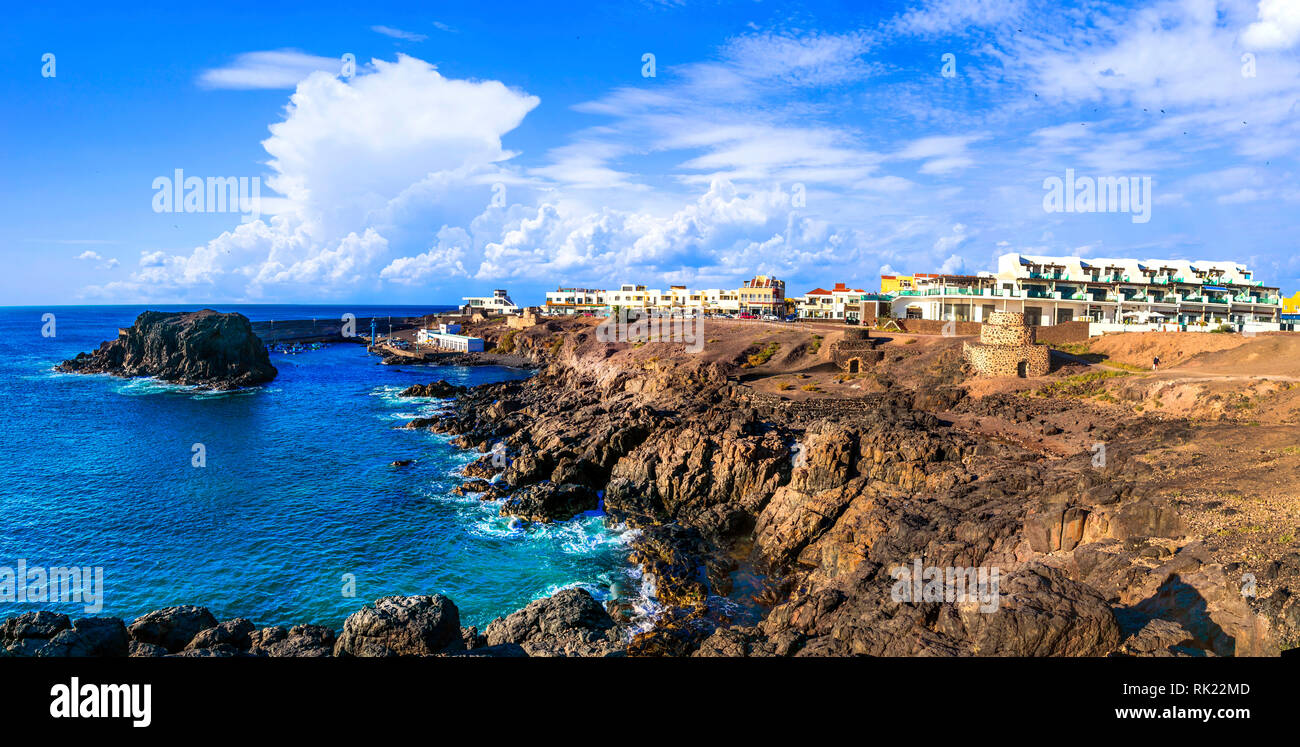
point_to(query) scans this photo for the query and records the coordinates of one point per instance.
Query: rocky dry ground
(828, 485)
(1119, 526)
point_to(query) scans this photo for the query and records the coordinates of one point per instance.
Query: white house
(498, 303)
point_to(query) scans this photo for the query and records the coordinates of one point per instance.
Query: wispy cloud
(282, 68)
(104, 264)
(399, 34)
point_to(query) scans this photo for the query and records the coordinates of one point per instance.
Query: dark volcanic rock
(234, 633)
(438, 388)
(549, 501)
(570, 623)
(146, 650)
(504, 651)
(202, 348)
(313, 641)
(90, 636)
(1044, 613)
(402, 626)
(29, 632)
(172, 627)
(488, 491)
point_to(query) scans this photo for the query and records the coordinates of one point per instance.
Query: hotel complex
(1109, 293)
(1054, 290)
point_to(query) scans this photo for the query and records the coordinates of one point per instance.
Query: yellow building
(896, 283)
(762, 295)
(1291, 305)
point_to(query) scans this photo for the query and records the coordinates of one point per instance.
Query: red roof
(818, 292)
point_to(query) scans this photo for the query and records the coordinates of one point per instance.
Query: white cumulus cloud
(1278, 26)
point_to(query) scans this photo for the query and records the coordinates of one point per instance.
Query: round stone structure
(856, 351)
(1007, 348)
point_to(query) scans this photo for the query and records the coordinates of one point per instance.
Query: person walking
(1155, 362)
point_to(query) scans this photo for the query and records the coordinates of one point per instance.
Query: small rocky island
(203, 348)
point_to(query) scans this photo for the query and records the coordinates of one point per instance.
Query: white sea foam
(147, 385)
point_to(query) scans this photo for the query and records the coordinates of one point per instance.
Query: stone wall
(1059, 334)
(936, 327)
(523, 321)
(801, 411)
(1056, 334)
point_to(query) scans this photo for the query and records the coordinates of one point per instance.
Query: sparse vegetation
(763, 355)
(815, 345)
(1088, 384)
(810, 388)
(507, 343)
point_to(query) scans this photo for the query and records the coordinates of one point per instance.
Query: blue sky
(520, 145)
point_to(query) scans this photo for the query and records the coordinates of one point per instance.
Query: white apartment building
(498, 303)
(637, 297)
(1054, 290)
(839, 302)
(721, 300)
(574, 300)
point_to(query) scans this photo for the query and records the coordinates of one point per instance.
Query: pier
(276, 331)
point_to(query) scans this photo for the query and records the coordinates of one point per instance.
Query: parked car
(792, 317)
(746, 315)
(851, 320)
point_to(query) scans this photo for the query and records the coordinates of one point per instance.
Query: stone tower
(856, 351)
(1007, 348)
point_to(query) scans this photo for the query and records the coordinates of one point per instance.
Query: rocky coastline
(570, 623)
(828, 497)
(205, 349)
(824, 499)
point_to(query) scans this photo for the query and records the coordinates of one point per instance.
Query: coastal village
(1114, 455)
(1058, 300)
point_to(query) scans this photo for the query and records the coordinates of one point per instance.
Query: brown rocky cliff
(829, 502)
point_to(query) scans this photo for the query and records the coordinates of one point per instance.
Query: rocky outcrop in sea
(199, 348)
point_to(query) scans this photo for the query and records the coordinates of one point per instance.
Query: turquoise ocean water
(297, 497)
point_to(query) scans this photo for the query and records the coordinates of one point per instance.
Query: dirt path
(1191, 375)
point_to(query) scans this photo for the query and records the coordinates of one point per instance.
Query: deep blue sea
(296, 493)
